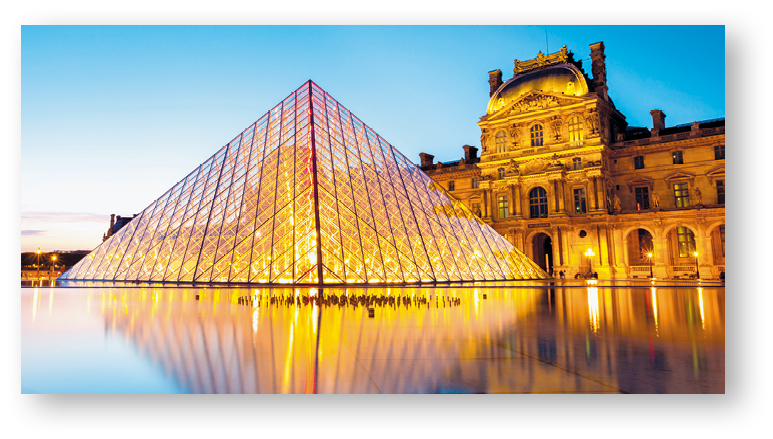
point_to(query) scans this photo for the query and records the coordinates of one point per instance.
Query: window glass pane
(720, 191)
(682, 195)
(677, 155)
(719, 152)
(503, 212)
(642, 198)
(538, 203)
(686, 241)
(536, 135)
(475, 182)
(575, 129)
(451, 185)
(579, 201)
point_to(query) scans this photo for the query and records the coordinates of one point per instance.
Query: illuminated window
(501, 141)
(536, 135)
(579, 200)
(577, 163)
(642, 198)
(677, 156)
(475, 182)
(451, 185)
(575, 129)
(503, 207)
(722, 238)
(638, 162)
(686, 241)
(682, 195)
(501, 173)
(538, 203)
(720, 191)
(719, 152)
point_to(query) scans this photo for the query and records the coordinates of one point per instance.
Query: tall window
(686, 242)
(638, 162)
(579, 201)
(722, 238)
(451, 185)
(577, 163)
(536, 135)
(720, 191)
(501, 173)
(719, 152)
(503, 207)
(677, 156)
(501, 141)
(475, 182)
(575, 129)
(682, 195)
(538, 203)
(476, 208)
(642, 198)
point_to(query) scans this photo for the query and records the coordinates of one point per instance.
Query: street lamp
(649, 256)
(38, 252)
(53, 264)
(589, 253)
(697, 270)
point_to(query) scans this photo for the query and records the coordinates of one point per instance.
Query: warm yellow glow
(700, 306)
(50, 300)
(38, 252)
(589, 253)
(34, 304)
(649, 255)
(655, 309)
(593, 308)
(695, 254)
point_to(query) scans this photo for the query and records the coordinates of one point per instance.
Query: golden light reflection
(593, 308)
(51, 300)
(34, 304)
(655, 310)
(700, 304)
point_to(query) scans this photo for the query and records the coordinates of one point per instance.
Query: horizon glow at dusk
(112, 117)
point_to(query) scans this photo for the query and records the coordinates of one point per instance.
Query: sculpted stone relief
(555, 128)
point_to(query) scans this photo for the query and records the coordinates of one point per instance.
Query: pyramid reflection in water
(307, 182)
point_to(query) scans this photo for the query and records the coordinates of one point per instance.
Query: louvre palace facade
(561, 175)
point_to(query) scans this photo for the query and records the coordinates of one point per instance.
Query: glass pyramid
(307, 183)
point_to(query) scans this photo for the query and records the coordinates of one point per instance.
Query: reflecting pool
(540, 339)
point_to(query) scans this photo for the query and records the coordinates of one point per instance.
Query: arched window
(536, 135)
(501, 141)
(538, 203)
(575, 129)
(686, 241)
(501, 173)
(577, 163)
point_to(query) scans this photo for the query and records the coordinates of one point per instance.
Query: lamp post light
(649, 256)
(38, 252)
(589, 253)
(697, 270)
(53, 264)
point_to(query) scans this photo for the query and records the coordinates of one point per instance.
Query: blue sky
(112, 117)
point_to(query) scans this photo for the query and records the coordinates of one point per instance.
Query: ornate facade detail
(555, 128)
(533, 102)
(514, 133)
(542, 60)
(592, 123)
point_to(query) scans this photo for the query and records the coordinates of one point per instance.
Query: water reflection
(418, 340)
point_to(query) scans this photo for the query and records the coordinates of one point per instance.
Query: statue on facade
(698, 196)
(514, 132)
(655, 200)
(513, 167)
(617, 206)
(485, 136)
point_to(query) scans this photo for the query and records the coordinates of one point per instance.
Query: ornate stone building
(561, 172)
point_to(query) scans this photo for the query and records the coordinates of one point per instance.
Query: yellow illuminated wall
(308, 194)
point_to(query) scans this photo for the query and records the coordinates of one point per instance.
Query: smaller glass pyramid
(308, 194)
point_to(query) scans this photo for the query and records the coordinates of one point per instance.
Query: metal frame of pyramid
(307, 182)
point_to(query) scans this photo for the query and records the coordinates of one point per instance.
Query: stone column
(602, 195)
(562, 196)
(517, 200)
(494, 206)
(486, 213)
(603, 246)
(558, 247)
(593, 192)
(511, 196)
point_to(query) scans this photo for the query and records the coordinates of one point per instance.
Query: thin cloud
(32, 232)
(65, 217)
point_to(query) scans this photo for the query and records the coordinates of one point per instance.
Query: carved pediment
(680, 176)
(534, 101)
(716, 174)
(641, 181)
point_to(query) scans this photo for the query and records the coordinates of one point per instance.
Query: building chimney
(470, 153)
(494, 81)
(658, 120)
(112, 221)
(599, 69)
(426, 159)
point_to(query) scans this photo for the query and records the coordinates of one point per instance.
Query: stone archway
(639, 243)
(542, 249)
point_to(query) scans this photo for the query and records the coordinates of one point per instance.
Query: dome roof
(561, 78)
